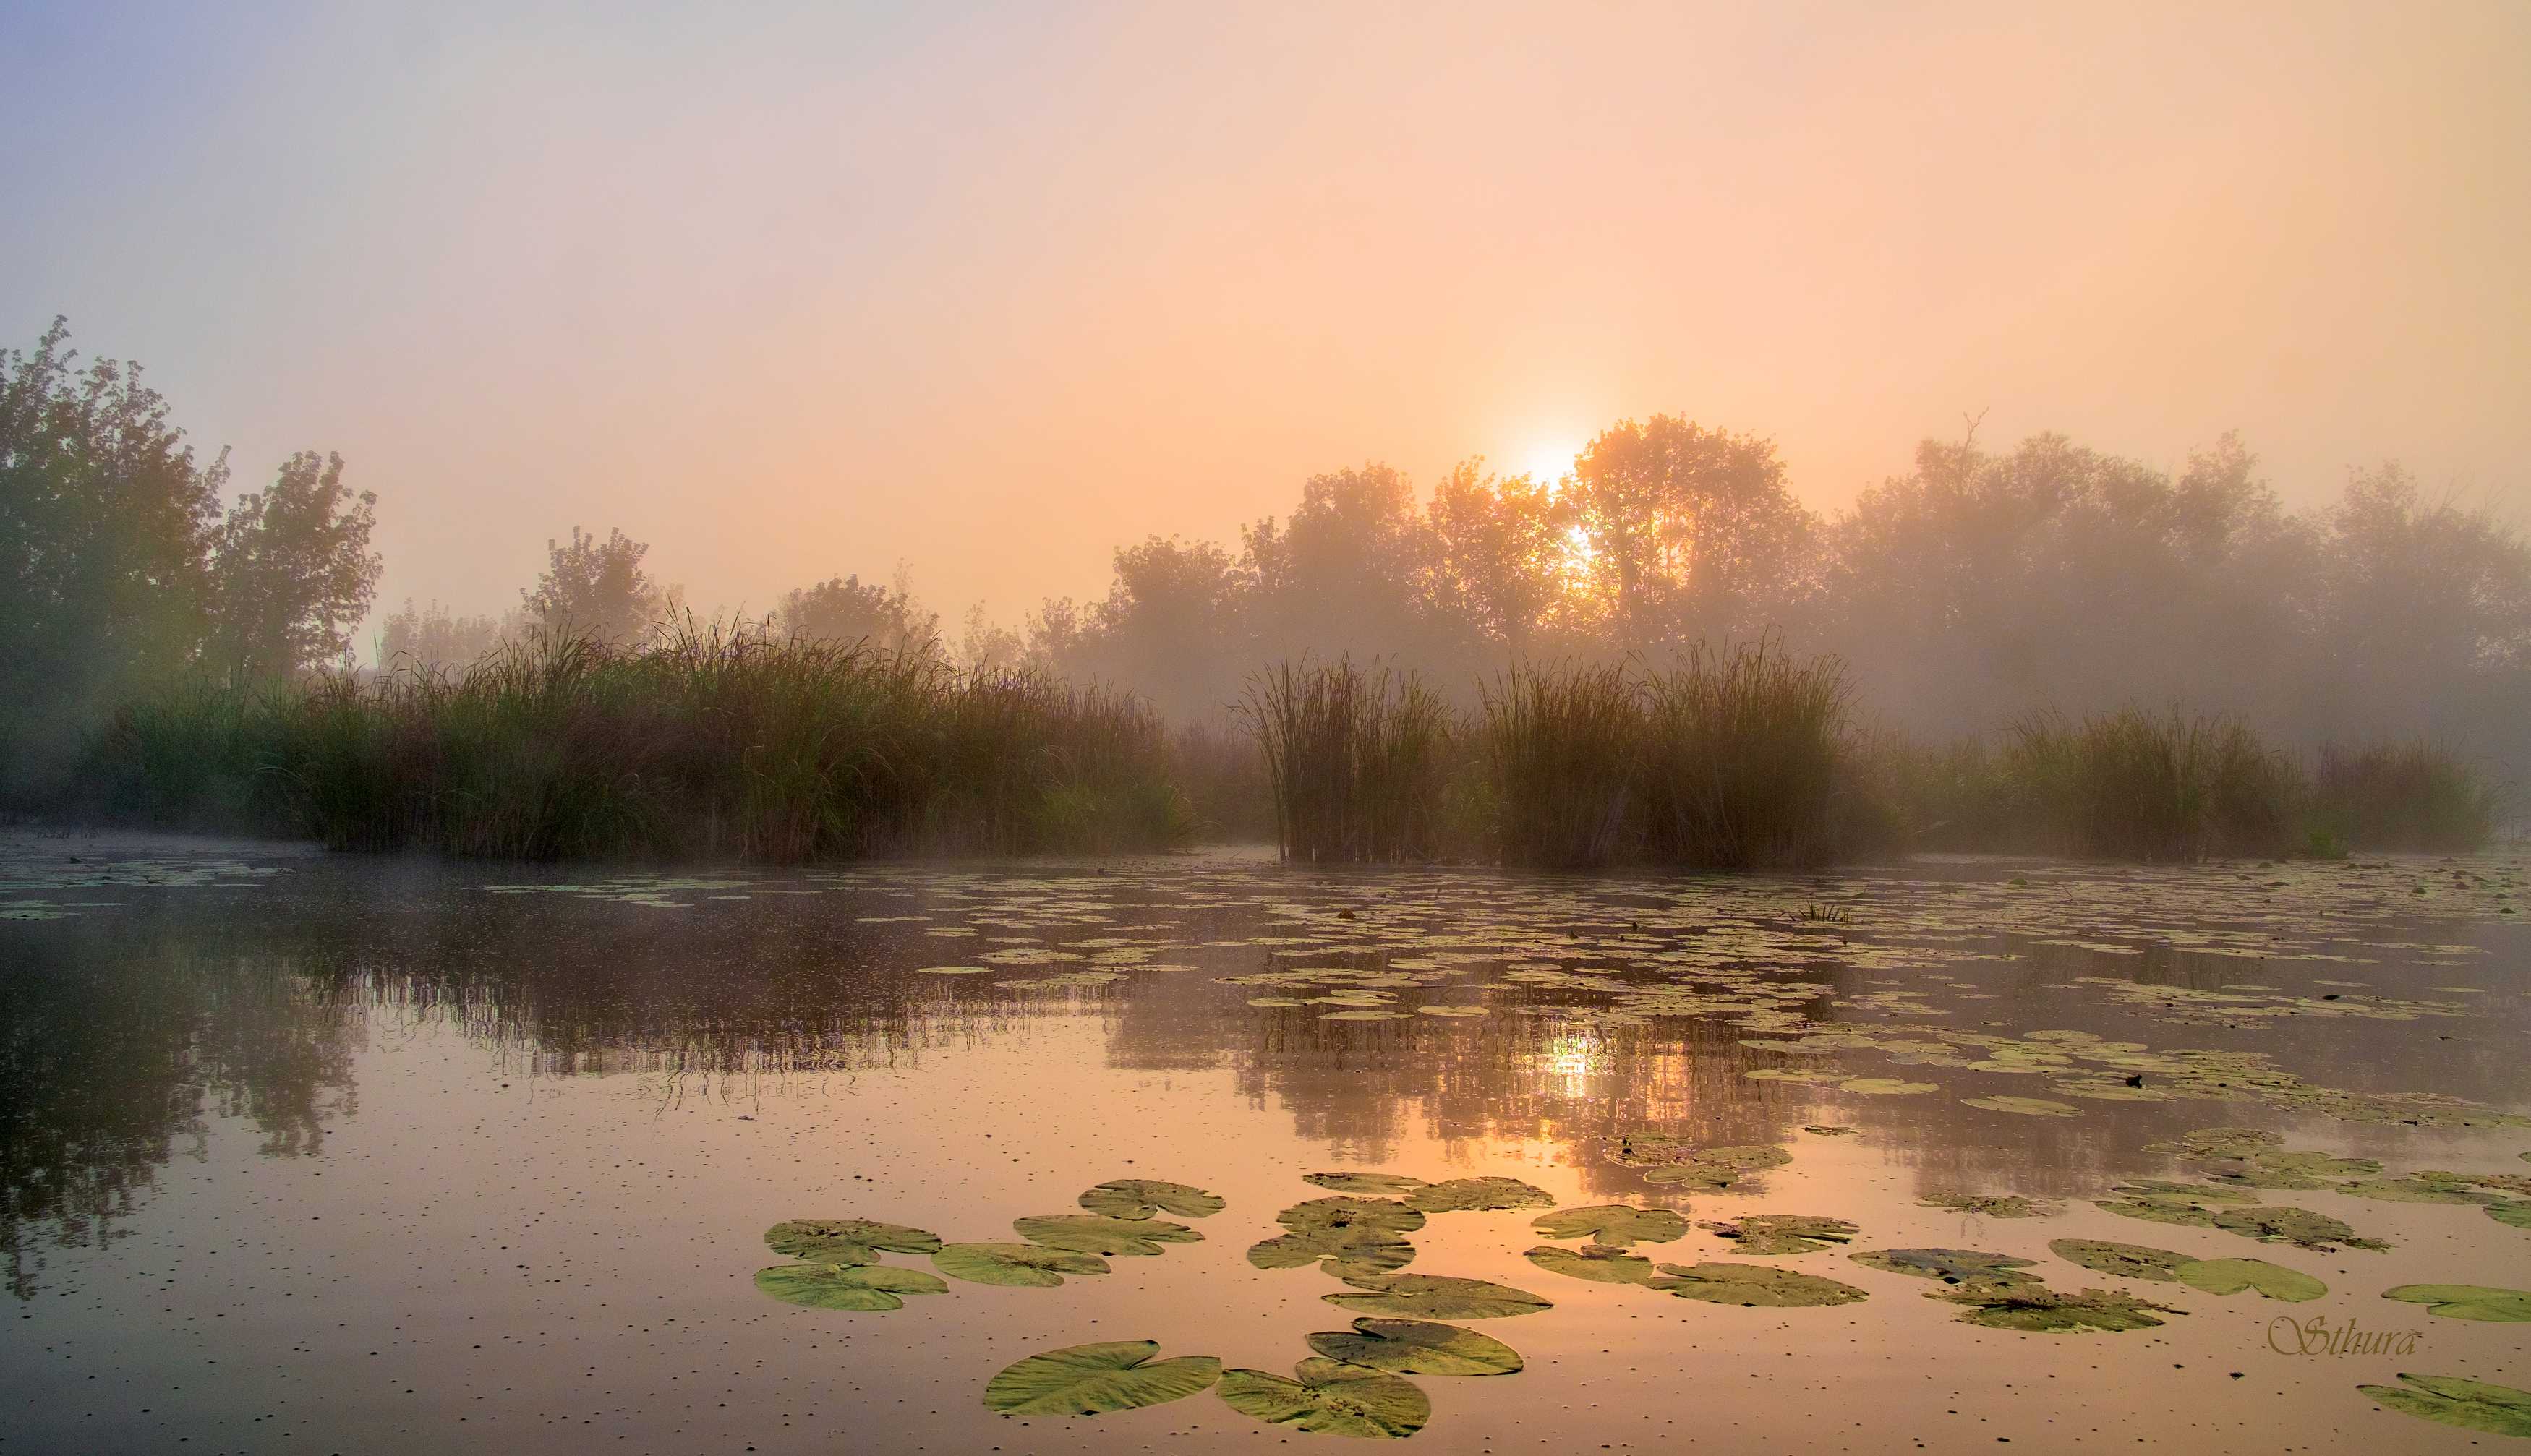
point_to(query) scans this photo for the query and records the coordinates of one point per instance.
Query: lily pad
(1370, 1183)
(1020, 1265)
(1474, 1195)
(1360, 1249)
(2195, 1193)
(1330, 1397)
(2232, 1275)
(955, 970)
(2219, 1143)
(1950, 1265)
(1090, 1379)
(1087, 1233)
(1782, 1233)
(1363, 1014)
(2037, 1308)
(1614, 1224)
(2498, 1410)
(1386, 1215)
(1996, 1204)
(1141, 1198)
(2415, 1190)
(2516, 1214)
(1597, 1263)
(1755, 1286)
(2159, 1210)
(1708, 1169)
(2467, 1301)
(2026, 1107)
(1436, 1296)
(2297, 1226)
(2126, 1260)
(1418, 1347)
(2318, 1164)
(836, 1286)
(1826, 1131)
(1887, 1087)
(846, 1241)
(1451, 1011)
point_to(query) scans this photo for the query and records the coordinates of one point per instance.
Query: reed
(2419, 795)
(715, 742)
(1563, 750)
(2132, 785)
(1741, 755)
(1356, 760)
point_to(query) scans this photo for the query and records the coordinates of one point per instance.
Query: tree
(1349, 573)
(1503, 556)
(435, 637)
(105, 525)
(293, 571)
(1691, 531)
(597, 586)
(845, 609)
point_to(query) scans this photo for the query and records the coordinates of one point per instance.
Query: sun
(1548, 461)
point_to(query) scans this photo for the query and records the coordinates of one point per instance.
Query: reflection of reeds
(1355, 760)
(1741, 758)
(712, 742)
(2417, 795)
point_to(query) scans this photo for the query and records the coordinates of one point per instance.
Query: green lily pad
(1887, 1087)
(1332, 1398)
(2026, 1107)
(1087, 1233)
(1370, 1183)
(1613, 1224)
(2232, 1275)
(1827, 1131)
(1436, 1296)
(846, 1241)
(1755, 1286)
(2466, 1301)
(1276, 1001)
(2516, 1214)
(1996, 1204)
(2159, 1210)
(1475, 1195)
(836, 1286)
(955, 970)
(1706, 1170)
(1092, 1379)
(2195, 1193)
(1355, 1015)
(1594, 1262)
(1451, 1011)
(1020, 1265)
(2219, 1143)
(2249, 1175)
(1418, 1347)
(1782, 1233)
(2297, 1226)
(1141, 1198)
(2037, 1308)
(2415, 1190)
(1386, 1215)
(1950, 1265)
(2497, 1409)
(2318, 1164)
(2126, 1260)
(1360, 1249)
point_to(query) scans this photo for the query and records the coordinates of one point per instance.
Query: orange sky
(792, 291)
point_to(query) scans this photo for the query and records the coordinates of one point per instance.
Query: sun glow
(1547, 461)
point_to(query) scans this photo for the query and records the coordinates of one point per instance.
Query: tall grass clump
(1741, 758)
(1356, 760)
(712, 742)
(2132, 785)
(2418, 795)
(1562, 750)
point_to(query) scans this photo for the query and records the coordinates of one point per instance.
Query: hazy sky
(792, 291)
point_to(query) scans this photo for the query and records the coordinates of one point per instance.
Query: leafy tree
(1349, 573)
(105, 522)
(1503, 558)
(294, 572)
(435, 637)
(595, 585)
(985, 646)
(1692, 532)
(845, 609)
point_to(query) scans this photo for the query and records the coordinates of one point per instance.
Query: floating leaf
(1021, 1266)
(1755, 1286)
(2516, 1214)
(1996, 1204)
(1782, 1233)
(2195, 1193)
(1827, 1132)
(1453, 1011)
(1332, 1397)
(1090, 1379)
(834, 1286)
(954, 970)
(2035, 1306)
(2219, 1143)
(1594, 1262)
(1370, 1183)
(2466, 1301)
(2415, 1190)
(1087, 1233)
(2297, 1226)
(1418, 1347)
(1276, 1001)
(2497, 1409)
(2126, 1260)
(1885, 1087)
(1141, 1198)
(2026, 1107)
(1950, 1265)
(1364, 1015)
(2318, 1164)
(1436, 1297)
(1349, 1212)
(1615, 1224)
(1472, 1194)
(2159, 1210)
(1361, 1250)
(1710, 1169)
(846, 1241)
(2232, 1275)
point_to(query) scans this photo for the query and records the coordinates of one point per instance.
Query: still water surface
(312, 1153)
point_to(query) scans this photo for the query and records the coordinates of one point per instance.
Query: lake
(323, 1154)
